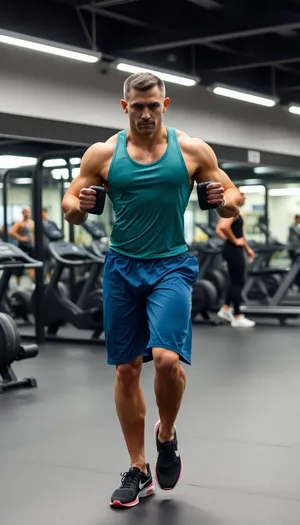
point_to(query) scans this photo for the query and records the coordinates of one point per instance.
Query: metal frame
(37, 217)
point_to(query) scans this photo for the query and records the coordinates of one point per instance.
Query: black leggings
(234, 256)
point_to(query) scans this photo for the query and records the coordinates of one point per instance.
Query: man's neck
(147, 141)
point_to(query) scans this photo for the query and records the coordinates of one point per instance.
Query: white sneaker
(242, 322)
(227, 315)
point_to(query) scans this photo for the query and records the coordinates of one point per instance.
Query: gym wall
(44, 86)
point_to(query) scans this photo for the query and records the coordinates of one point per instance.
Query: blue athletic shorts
(147, 304)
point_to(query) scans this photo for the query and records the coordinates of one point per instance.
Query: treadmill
(99, 245)
(280, 306)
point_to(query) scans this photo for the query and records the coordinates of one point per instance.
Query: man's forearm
(16, 236)
(232, 201)
(71, 210)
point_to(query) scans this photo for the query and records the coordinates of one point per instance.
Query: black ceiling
(250, 44)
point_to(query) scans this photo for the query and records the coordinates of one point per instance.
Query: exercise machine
(100, 241)
(11, 350)
(57, 308)
(263, 280)
(11, 258)
(283, 304)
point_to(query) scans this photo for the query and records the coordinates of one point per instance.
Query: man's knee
(166, 362)
(128, 375)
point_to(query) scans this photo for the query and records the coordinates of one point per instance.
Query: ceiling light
(75, 161)
(244, 96)
(253, 189)
(252, 182)
(53, 163)
(47, 46)
(14, 161)
(284, 192)
(295, 110)
(233, 165)
(23, 181)
(263, 170)
(60, 174)
(167, 76)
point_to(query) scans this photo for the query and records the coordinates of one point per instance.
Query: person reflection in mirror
(294, 237)
(23, 232)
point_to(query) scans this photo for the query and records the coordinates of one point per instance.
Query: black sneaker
(134, 485)
(169, 463)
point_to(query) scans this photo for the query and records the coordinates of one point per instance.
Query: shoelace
(128, 479)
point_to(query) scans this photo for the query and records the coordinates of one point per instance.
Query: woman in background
(232, 232)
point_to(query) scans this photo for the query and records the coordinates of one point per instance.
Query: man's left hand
(215, 194)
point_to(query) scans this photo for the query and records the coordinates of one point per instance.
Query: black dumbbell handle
(202, 196)
(100, 200)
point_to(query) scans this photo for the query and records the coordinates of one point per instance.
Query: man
(23, 232)
(294, 236)
(149, 171)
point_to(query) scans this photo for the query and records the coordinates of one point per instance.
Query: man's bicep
(89, 174)
(83, 180)
(214, 174)
(209, 170)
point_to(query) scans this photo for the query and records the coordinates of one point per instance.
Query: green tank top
(149, 201)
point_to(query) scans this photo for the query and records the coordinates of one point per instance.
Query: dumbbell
(202, 196)
(100, 200)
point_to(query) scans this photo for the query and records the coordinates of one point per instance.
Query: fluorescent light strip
(15, 161)
(167, 77)
(295, 110)
(23, 181)
(253, 189)
(245, 97)
(75, 161)
(64, 173)
(45, 46)
(53, 163)
(284, 192)
(60, 174)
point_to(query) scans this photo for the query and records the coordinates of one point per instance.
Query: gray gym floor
(61, 450)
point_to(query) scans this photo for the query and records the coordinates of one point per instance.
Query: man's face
(26, 213)
(145, 109)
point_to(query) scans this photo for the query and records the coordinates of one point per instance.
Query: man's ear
(166, 104)
(124, 105)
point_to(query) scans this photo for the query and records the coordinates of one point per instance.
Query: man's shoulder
(191, 144)
(102, 150)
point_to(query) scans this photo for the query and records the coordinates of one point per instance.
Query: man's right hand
(87, 200)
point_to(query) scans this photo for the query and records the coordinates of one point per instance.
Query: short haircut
(143, 82)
